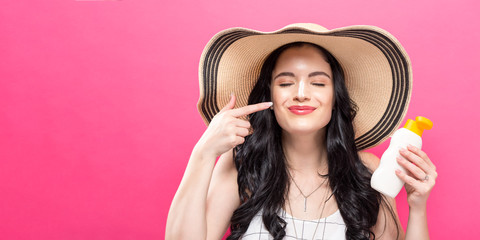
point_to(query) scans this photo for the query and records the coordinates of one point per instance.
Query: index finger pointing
(243, 111)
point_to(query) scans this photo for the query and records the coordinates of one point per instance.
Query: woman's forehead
(302, 58)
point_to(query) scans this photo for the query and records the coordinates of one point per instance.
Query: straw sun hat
(377, 71)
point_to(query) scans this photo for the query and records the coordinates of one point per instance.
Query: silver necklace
(318, 221)
(306, 196)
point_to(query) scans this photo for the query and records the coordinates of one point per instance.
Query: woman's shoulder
(370, 160)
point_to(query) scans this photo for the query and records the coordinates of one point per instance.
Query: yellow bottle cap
(420, 124)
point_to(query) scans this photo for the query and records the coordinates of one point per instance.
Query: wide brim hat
(377, 71)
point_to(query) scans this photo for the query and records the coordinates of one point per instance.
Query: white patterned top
(330, 228)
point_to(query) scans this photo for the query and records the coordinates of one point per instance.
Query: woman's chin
(303, 130)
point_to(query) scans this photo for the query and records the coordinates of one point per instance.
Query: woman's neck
(306, 153)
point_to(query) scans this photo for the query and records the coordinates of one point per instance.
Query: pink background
(98, 105)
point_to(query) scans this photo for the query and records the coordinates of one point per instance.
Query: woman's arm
(187, 215)
(222, 198)
(197, 210)
(418, 165)
(419, 181)
(196, 213)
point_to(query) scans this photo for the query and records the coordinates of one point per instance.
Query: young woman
(293, 170)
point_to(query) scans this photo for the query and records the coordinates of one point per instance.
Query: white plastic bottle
(384, 178)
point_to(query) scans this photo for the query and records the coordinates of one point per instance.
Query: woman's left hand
(420, 177)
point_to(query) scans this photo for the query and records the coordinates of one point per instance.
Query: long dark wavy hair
(263, 180)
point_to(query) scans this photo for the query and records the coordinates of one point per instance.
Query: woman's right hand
(227, 129)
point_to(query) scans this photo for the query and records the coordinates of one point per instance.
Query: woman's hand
(420, 177)
(227, 129)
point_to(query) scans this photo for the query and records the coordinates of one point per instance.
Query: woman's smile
(301, 110)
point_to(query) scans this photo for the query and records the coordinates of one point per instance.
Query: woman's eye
(285, 84)
(318, 84)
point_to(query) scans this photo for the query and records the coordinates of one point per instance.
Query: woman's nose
(302, 93)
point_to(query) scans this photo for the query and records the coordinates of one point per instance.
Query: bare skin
(208, 194)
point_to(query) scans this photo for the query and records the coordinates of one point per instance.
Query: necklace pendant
(305, 204)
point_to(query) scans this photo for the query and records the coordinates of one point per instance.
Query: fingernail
(398, 171)
(268, 104)
(402, 150)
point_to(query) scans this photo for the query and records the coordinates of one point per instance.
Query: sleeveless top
(331, 227)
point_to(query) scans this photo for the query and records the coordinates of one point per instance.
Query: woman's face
(302, 90)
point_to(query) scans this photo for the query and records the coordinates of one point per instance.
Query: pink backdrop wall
(98, 105)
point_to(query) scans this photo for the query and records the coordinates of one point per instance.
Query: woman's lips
(301, 110)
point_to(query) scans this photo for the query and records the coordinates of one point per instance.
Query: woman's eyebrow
(313, 74)
(288, 74)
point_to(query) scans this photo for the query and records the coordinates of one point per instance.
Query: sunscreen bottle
(384, 178)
